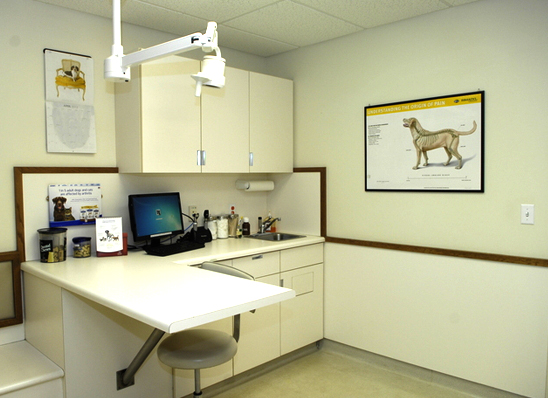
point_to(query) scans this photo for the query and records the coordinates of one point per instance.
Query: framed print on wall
(428, 145)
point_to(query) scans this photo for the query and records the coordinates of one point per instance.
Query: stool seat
(197, 349)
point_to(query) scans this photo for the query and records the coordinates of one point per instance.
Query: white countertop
(165, 292)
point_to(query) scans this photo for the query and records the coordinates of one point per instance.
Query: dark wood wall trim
(323, 194)
(502, 258)
(18, 182)
(13, 257)
(18, 256)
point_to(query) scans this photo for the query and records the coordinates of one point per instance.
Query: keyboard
(173, 248)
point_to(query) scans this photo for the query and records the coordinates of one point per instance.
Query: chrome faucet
(264, 226)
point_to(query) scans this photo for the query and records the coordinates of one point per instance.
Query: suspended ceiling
(263, 27)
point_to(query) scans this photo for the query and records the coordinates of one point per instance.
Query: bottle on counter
(246, 227)
(272, 227)
(239, 232)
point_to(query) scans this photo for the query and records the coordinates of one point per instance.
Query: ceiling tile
(370, 13)
(218, 10)
(250, 43)
(293, 23)
(159, 18)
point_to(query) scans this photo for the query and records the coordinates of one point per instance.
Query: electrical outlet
(192, 210)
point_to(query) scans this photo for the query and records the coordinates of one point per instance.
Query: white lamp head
(212, 74)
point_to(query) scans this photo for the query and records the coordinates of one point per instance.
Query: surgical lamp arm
(117, 66)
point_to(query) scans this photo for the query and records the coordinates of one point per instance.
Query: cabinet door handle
(199, 158)
(281, 283)
(203, 158)
(257, 257)
(251, 158)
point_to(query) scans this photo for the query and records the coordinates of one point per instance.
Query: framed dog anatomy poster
(431, 144)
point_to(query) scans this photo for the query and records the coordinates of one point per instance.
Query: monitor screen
(155, 215)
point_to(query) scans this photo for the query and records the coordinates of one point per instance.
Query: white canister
(222, 227)
(212, 226)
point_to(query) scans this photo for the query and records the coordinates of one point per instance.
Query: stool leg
(197, 389)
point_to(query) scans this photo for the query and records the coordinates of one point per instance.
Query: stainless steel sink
(274, 236)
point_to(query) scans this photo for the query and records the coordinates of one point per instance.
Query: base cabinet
(301, 319)
(279, 329)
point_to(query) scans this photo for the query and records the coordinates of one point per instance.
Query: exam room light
(117, 66)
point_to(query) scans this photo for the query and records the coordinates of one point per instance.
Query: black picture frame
(399, 134)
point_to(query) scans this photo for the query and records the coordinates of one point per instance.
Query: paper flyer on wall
(70, 114)
(109, 237)
(74, 204)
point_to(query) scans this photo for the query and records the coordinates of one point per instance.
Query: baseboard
(427, 375)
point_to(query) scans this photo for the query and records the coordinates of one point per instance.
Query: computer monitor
(154, 216)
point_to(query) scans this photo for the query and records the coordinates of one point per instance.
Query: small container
(246, 227)
(53, 244)
(233, 220)
(222, 227)
(212, 226)
(81, 246)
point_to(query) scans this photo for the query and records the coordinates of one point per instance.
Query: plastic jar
(81, 246)
(222, 227)
(212, 226)
(53, 244)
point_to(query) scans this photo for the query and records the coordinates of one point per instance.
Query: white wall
(483, 321)
(27, 27)
(497, 46)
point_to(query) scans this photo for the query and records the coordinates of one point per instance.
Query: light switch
(527, 214)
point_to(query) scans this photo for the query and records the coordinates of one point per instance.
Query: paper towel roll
(255, 185)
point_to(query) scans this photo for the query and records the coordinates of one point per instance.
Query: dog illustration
(59, 208)
(425, 140)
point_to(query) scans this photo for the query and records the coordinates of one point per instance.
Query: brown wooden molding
(502, 258)
(18, 182)
(323, 194)
(13, 257)
(17, 257)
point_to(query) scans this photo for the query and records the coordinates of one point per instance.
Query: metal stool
(202, 348)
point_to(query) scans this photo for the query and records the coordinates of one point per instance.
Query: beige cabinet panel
(271, 123)
(260, 264)
(158, 118)
(225, 124)
(301, 257)
(302, 316)
(260, 334)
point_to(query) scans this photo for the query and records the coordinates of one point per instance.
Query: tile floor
(328, 374)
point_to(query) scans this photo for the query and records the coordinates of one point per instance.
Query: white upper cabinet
(158, 118)
(271, 123)
(225, 124)
(162, 127)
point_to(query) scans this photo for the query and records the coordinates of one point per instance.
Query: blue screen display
(155, 214)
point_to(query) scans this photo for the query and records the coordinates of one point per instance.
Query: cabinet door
(302, 316)
(259, 334)
(271, 123)
(170, 115)
(225, 124)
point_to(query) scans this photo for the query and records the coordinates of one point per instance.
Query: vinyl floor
(329, 374)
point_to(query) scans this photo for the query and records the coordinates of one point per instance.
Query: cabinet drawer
(259, 264)
(301, 257)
